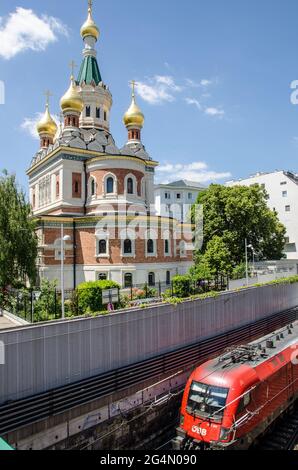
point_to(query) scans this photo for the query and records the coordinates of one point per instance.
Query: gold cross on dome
(48, 94)
(90, 4)
(133, 86)
(72, 66)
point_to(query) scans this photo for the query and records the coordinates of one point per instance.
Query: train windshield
(207, 401)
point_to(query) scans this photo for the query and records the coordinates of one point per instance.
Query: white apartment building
(282, 188)
(175, 199)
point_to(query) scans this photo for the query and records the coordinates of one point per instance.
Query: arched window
(102, 247)
(88, 111)
(92, 187)
(110, 185)
(167, 247)
(168, 278)
(130, 189)
(128, 280)
(97, 113)
(127, 247)
(150, 246)
(151, 279)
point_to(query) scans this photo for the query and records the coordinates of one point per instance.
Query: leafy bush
(90, 295)
(48, 305)
(181, 286)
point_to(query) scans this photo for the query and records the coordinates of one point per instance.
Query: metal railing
(34, 305)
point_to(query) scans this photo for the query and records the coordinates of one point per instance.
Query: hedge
(89, 295)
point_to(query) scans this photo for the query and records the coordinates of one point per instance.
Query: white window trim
(149, 236)
(97, 240)
(135, 185)
(128, 271)
(105, 180)
(128, 255)
(92, 196)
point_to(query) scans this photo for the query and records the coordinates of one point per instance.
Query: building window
(168, 278)
(92, 189)
(57, 188)
(283, 183)
(127, 247)
(88, 111)
(167, 195)
(285, 194)
(102, 277)
(76, 185)
(97, 113)
(130, 186)
(110, 185)
(190, 196)
(105, 115)
(288, 208)
(151, 279)
(287, 240)
(150, 246)
(128, 280)
(102, 247)
(167, 247)
(178, 196)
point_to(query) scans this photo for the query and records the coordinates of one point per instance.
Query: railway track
(17, 414)
(284, 435)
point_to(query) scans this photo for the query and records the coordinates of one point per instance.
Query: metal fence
(35, 305)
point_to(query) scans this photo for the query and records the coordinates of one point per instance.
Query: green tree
(236, 213)
(218, 257)
(18, 241)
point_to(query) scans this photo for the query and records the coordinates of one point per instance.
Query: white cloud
(29, 124)
(216, 112)
(24, 30)
(158, 89)
(194, 102)
(197, 172)
(201, 83)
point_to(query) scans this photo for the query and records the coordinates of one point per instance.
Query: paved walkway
(6, 322)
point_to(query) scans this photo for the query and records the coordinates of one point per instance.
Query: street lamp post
(64, 239)
(246, 262)
(246, 258)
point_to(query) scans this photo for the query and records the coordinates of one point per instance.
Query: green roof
(4, 445)
(89, 71)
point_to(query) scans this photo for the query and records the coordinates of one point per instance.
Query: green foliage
(48, 306)
(231, 215)
(239, 272)
(218, 256)
(201, 269)
(181, 286)
(90, 295)
(18, 242)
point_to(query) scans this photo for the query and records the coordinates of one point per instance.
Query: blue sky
(214, 79)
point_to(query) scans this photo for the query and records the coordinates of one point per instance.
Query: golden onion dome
(134, 116)
(90, 28)
(72, 101)
(47, 124)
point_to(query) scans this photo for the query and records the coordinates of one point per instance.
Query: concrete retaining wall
(45, 356)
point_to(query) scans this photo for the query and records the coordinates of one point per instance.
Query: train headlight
(224, 434)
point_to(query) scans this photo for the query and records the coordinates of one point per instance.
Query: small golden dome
(134, 116)
(90, 28)
(72, 100)
(47, 124)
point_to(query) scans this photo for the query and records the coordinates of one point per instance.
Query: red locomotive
(229, 402)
